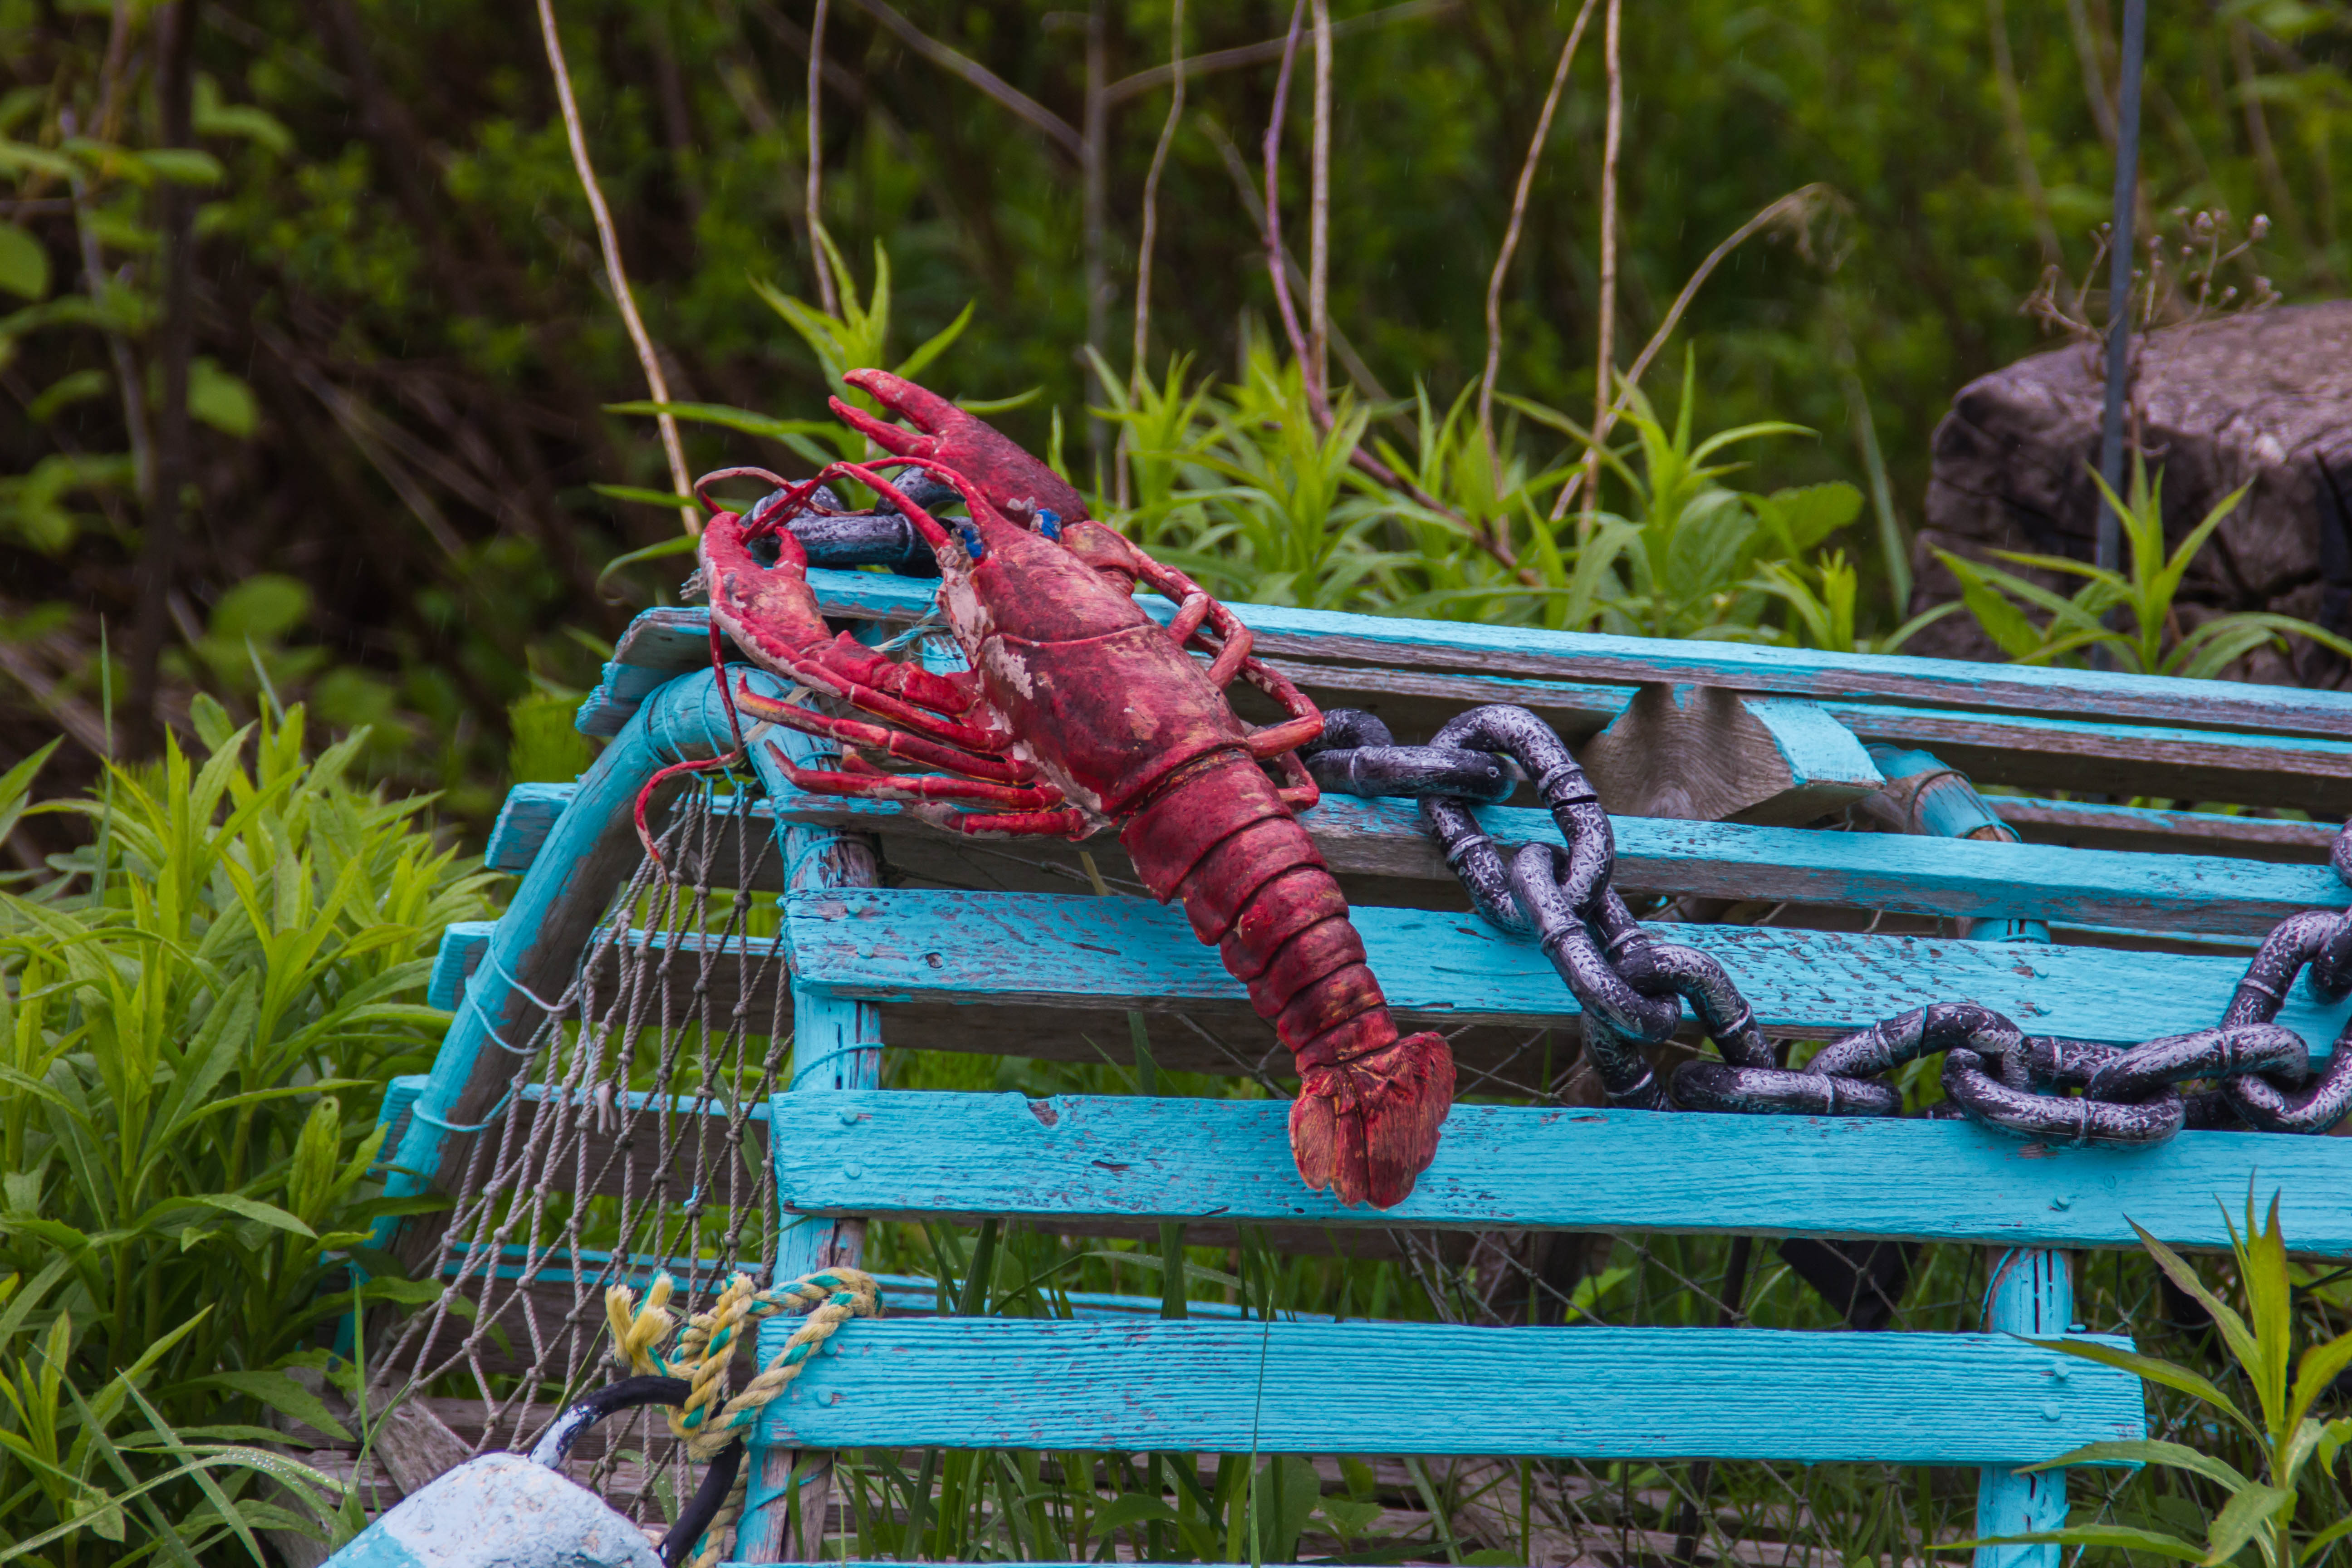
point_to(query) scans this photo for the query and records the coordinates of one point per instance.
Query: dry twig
(1318, 212)
(1518, 220)
(1056, 130)
(1604, 356)
(1272, 152)
(614, 272)
(1794, 210)
(2021, 145)
(1152, 194)
(1156, 77)
(825, 296)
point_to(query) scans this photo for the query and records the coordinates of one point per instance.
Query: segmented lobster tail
(1370, 1103)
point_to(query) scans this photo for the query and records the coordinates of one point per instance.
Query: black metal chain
(1632, 987)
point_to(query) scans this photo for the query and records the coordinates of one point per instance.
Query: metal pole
(2120, 275)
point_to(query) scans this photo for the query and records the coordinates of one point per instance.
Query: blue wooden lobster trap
(678, 1065)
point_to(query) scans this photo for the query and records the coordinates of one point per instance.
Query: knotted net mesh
(630, 1139)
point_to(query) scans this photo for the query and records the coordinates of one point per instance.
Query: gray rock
(2262, 399)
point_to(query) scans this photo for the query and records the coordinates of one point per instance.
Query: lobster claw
(1009, 479)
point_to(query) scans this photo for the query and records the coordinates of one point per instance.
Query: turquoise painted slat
(1797, 672)
(463, 943)
(836, 1047)
(2099, 887)
(1745, 667)
(1967, 879)
(1427, 1388)
(536, 944)
(1508, 1167)
(2031, 1295)
(524, 823)
(2170, 832)
(1038, 948)
(902, 1294)
(2209, 753)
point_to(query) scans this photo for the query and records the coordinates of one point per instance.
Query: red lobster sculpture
(1081, 712)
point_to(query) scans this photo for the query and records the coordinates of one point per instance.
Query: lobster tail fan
(1367, 1127)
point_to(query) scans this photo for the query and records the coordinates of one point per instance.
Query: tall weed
(197, 1017)
(102, 1477)
(2151, 640)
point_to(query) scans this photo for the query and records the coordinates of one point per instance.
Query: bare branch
(825, 296)
(1604, 355)
(1518, 220)
(1318, 211)
(2021, 145)
(1271, 152)
(1359, 374)
(2090, 55)
(1795, 208)
(1158, 77)
(1152, 195)
(1058, 130)
(614, 271)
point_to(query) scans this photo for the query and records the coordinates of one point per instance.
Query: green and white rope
(710, 1420)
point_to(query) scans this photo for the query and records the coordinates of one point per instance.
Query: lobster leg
(923, 787)
(880, 738)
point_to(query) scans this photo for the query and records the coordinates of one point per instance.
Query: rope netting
(630, 1140)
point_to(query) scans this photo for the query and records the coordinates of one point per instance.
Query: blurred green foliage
(406, 353)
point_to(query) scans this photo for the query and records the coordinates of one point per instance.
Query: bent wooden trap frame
(675, 1063)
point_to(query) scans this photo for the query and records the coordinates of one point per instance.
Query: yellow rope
(710, 1421)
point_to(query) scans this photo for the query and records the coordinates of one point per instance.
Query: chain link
(1632, 987)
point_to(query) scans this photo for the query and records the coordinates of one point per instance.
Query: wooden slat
(1034, 948)
(524, 820)
(1704, 754)
(621, 1151)
(2026, 751)
(536, 945)
(1508, 1168)
(1411, 644)
(1964, 878)
(2094, 826)
(2077, 730)
(1369, 1388)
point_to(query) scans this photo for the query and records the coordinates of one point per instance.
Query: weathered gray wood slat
(1967, 879)
(1510, 1167)
(1700, 754)
(2011, 725)
(621, 1150)
(1426, 1388)
(2020, 749)
(1013, 948)
(1396, 642)
(2087, 825)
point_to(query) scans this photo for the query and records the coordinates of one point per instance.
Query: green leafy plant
(1690, 542)
(196, 1021)
(1166, 428)
(2297, 1448)
(1820, 600)
(1491, 545)
(103, 1478)
(1294, 522)
(2151, 642)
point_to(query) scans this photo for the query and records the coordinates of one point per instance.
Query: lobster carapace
(1081, 712)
